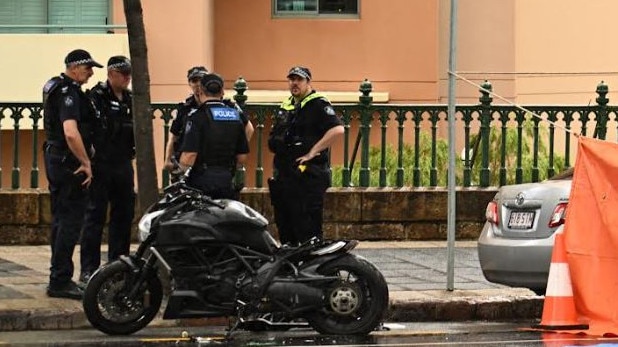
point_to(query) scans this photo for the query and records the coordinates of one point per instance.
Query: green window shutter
(23, 12)
(78, 12)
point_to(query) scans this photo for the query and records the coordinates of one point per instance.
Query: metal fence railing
(397, 144)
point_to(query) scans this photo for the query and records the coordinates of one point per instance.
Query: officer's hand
(85, 172)
(169, 166)
(307, 157)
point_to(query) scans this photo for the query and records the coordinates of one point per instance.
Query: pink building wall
(394, 46)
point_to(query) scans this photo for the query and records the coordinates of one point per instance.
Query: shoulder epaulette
(52, 83)
(99, 88)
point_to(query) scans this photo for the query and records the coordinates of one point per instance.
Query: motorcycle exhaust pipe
(295, 294)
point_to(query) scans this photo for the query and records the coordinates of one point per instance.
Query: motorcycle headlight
(145, 223)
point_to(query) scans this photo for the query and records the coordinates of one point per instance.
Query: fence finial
(365, 88)
(240, 86)
(602, 90)
(485, 98)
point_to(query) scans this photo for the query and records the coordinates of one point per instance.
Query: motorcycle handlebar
(181, 185)
(185, 176)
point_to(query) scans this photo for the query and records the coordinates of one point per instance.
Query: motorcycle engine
(222, 291)
(217, 286)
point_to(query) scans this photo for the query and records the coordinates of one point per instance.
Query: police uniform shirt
(189, 106)
(67, 100)
(313, 120)
(216, 133)
(118, 140)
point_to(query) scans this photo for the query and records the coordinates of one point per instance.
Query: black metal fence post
(485, 100)
(600, 130)
(240, 86)
(365, 103)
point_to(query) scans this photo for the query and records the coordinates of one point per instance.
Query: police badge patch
(329, 110)
(68, 101)
(48, 86)
(224, 114)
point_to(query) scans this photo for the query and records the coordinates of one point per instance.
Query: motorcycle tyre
(327, 322)
(91, 306)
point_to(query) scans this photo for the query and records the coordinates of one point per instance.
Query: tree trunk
(142, 114)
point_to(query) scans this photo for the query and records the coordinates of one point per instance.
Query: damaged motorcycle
(221, 261)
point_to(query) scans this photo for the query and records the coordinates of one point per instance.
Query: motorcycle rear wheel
(108, 307)
(356, 303)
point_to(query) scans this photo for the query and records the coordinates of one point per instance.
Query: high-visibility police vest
(288, 104)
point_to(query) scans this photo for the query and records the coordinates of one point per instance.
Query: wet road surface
(398, 334)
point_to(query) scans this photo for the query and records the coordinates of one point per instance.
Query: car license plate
(521, 220)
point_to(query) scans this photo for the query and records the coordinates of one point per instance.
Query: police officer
(214, 142)
(190, 105)
(113, 170)
(304, 128)
(69, 118)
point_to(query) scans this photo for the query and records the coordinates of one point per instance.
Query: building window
(53, 16)
(315, 7)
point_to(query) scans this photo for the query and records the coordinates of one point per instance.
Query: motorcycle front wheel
(109, 305)
(355, 303)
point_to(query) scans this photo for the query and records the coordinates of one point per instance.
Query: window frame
(69, 28)
(312, 14)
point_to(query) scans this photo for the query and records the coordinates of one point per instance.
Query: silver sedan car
(517, 239)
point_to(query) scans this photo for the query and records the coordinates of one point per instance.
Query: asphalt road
(399, 334)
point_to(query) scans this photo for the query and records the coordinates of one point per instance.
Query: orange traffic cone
(559, 306)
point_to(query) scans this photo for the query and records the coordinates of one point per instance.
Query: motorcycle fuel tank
(236, 223)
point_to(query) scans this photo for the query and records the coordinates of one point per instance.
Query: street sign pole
(450, 271)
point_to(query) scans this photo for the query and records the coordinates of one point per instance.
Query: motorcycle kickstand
(239, 320)
(232, 329)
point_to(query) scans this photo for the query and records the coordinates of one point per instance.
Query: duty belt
(201, 168)
(54, 149)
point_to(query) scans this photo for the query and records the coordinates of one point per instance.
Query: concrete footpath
(415, 272)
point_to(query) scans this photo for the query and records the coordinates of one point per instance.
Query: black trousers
(68, 204)
(298, 202)
(112, 186)
(215, 182)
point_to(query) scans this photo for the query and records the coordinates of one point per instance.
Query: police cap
(300, 71)
(80, 57)
(119, 63)
(196, 72)
(212, 83)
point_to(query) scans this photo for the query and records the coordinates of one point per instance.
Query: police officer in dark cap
(214, 142)
(190, 105)
(69, 119)
(304, 128)
(113, 170)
